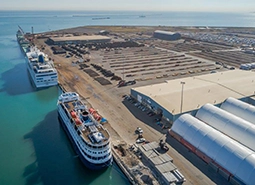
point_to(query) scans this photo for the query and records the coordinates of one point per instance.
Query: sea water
(34, 147)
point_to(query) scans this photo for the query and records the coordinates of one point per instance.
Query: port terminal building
(172, 98)
(83, 39)
(166, 35)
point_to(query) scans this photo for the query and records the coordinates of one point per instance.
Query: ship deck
(85, 133)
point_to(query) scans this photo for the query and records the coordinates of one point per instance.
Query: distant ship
(98, 18)
(89, 138)
(41, 68)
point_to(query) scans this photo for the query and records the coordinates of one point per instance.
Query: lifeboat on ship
(91, 110)
(78, 122)
(73, 114)
(97, 116)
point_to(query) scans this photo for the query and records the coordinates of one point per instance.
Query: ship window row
(94, 152)
(101, 152)
(45, 80)
(46, 75)
(97, 152)
(97, 158)
(42, 78)
(94, 158)
(45, 71)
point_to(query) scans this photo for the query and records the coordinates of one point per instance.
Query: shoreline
(124, 117)
(116, 157)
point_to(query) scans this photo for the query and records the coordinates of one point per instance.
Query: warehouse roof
(165, 32)
(82, 37)
(240, 109)
(229, 124)
(219, 147)
(212, 88)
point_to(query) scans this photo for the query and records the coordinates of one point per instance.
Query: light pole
(182, 83)
(123, 72)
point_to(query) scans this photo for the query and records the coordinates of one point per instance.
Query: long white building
(229, 124)
(239, 108)
(236, 160)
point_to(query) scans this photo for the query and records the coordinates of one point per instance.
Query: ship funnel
(41, 58)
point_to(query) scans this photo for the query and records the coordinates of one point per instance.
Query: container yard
(104, 72)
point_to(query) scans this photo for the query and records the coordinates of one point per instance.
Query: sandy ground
(124, 118)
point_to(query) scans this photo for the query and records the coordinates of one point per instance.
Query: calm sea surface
(34, 148)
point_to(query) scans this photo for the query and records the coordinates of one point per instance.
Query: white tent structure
(224, 151)
(229, 124)
(239, 108)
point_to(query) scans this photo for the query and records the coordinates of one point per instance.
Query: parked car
(137, 104)
(157, 119)
(139, 130)
(140, 140)
(151, 114)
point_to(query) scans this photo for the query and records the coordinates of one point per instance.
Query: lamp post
(182, 83)
(123, 71)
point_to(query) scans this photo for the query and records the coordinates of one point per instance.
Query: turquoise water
(34, 147)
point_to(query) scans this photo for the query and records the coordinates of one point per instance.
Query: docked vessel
(23, 42)
(41, 68)
(90, 139)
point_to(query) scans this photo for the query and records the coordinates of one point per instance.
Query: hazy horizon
(131, 5)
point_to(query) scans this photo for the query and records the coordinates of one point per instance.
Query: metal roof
(161, 159)
(211, 88)
(150, 154)
(165, 32)
(219, 147)
(161, 162)
(166, 167)
(150, 146)
(170, 177)
(240, 109)
(229, 124)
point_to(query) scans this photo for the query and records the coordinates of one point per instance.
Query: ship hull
(85, 162)
(23, 50)
(23, 47)
(38, 85)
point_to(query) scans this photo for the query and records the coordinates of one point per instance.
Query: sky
(135, 5)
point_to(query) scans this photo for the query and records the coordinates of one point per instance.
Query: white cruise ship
(41, 69)
(89, 138)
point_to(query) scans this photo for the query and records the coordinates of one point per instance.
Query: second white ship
(41, 69)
